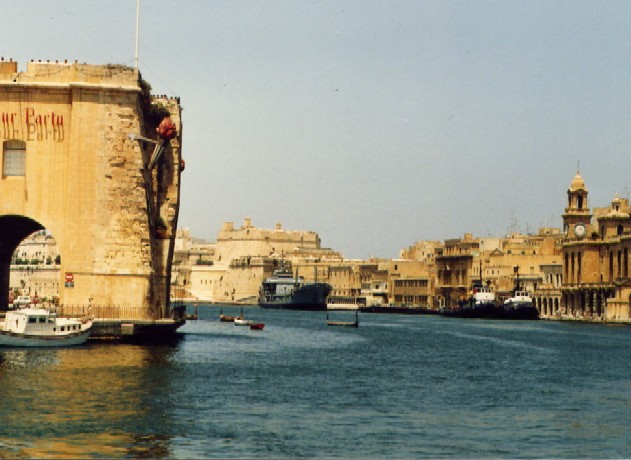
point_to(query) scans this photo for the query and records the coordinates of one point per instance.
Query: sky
(374, 123)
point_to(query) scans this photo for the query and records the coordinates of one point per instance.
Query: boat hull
(399, 310)
(10, 339)
(525, 311)
(311, 297)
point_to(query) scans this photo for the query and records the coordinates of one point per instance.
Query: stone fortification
(85, 178)
(234, 243)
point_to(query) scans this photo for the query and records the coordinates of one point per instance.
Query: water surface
(397, 387)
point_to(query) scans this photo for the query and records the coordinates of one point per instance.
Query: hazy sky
(373, 123)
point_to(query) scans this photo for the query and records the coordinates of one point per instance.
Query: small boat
(257, 326)
(192, 316)
(37, 327)
(242, 322)
(343, 323)
(228, 318)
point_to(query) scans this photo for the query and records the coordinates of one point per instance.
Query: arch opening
(13, 230)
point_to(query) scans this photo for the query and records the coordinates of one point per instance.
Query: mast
(137, 32)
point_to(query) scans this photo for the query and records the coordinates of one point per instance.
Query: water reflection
(98, 400)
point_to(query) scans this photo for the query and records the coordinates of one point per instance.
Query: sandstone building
(596, 247)
(79, 159)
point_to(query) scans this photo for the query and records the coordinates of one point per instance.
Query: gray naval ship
(284, 290)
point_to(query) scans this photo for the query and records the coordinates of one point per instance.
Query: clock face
(579, 230)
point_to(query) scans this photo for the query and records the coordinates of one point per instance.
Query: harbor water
(396, 387)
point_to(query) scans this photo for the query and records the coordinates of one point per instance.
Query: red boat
(258, 326)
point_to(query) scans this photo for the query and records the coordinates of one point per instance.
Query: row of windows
(42, 319)
(411, 299)
(410, 283)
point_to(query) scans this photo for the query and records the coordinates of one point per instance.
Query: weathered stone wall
(84, 179)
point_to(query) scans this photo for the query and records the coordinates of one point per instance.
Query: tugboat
(520, 305)
(481, 304)
(283, 290)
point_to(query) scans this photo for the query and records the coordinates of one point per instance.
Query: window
(14, 163)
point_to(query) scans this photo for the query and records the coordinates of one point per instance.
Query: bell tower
(577, 216)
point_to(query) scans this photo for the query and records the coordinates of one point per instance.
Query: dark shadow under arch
(13, 229)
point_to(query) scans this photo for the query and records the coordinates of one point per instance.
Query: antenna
(137, 32)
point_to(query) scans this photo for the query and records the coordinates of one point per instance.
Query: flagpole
(137, 32)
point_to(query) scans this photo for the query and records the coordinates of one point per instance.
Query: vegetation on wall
(152, 113)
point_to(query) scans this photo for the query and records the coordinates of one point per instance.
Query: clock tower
(577, 216)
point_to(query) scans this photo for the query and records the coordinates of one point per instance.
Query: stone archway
(81, 156)
(13, 229)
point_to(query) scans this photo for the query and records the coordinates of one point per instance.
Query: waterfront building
(233, 268)
(596, 246)
(499, 263)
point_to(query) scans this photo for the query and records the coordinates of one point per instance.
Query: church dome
(577, 183)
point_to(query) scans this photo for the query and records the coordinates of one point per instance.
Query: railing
(107, 312)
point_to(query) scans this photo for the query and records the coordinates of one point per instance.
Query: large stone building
(233, 268)
(530, 260)
(596, 247)
(82, 159)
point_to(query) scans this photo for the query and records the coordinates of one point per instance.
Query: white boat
(22, 301)
(242, 322)
(36, 327)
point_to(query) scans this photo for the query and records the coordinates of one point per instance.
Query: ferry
(284, 290)
(37, 327)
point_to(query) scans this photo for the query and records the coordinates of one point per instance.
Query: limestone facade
(596, 283)
(531, 260)
(233, 268)
(71, 165)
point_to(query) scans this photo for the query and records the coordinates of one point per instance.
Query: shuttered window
(14, 158)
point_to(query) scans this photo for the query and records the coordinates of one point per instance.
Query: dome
(577, 183)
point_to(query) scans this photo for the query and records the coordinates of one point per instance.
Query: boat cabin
(37, 321)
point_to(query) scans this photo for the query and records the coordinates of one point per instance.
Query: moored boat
(257, 326)
(481, 304)
(37, 327)
(227, 318)
(520, 306)
(284, 290)
(242, 322)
